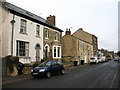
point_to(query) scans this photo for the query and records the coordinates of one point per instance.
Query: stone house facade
(77, 47)
(95, 45)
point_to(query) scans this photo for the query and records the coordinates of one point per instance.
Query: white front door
(37, 52)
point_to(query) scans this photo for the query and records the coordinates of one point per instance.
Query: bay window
(22, 48)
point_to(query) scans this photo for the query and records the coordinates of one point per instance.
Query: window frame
(57, 56)
(55, 52)
(23, 26)
(22, 47)
(46, 33)
(55, 36)
(37, 30)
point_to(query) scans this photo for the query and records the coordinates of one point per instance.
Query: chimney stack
(68, 32)
(81, 29)
(2, 0)
(51, 19)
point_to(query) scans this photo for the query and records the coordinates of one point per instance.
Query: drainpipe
(12, 22)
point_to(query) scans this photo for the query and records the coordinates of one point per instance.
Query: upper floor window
(23, 26)
(46, 33)
(37, 30)
(55, 35)
(81, 46)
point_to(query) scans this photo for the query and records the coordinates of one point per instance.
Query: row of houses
(33, 38)
(105, 52)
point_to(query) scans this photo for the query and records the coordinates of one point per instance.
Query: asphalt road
(103, 75)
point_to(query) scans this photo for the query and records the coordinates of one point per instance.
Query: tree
(118, 53)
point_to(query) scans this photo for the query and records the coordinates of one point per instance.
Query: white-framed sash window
(37, 30)
(23, 26)
(56, 51)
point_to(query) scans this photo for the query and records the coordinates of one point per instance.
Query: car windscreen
(92, 58)
(44, 64)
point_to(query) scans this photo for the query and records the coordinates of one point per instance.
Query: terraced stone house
(52, 41)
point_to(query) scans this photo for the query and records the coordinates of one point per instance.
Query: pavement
(12, 79)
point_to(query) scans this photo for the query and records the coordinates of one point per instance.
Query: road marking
(111, 86)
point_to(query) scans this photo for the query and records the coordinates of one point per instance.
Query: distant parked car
(109, 58)
(94, 60)
(48, 68)
(116, 59)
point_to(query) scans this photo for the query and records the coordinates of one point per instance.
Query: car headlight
(32, 70)
(42, 70)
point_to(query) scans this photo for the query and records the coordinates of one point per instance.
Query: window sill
(47, 38)
(23, 33)
(25, 57)
(56, 57)
(56, 40)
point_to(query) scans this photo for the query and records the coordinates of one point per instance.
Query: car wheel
(62, 71)
(48, 74)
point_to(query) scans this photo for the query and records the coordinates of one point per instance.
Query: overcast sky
(98, 17)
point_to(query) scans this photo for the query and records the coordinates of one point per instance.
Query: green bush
(11, 61)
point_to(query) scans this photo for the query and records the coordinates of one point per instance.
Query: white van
(103, 58)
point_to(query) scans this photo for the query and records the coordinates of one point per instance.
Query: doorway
(37, 52)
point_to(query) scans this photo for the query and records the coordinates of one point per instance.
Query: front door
(46, 52)
(85, 58)
(37, 53)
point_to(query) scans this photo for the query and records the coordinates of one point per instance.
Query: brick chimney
(81, 29)
(51, 19)
(68, 32)
(2, 0)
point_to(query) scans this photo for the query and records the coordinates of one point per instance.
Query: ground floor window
(22, 48)
(56, 51)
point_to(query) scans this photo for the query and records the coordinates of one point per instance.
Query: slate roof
(28, 15)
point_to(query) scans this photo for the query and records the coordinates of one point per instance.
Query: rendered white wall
(30, 37)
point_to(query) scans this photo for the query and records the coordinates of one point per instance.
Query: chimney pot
(66, 29)
(68, 32)
(51, 19)
(69, 29)
(81, 29)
